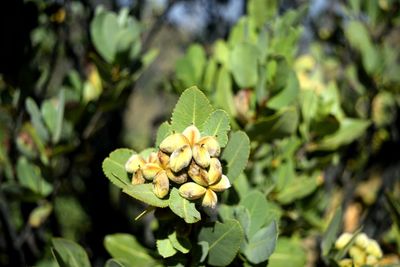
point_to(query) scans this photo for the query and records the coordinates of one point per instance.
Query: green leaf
(280, 125)
(70, 253)
(260, 246)
(40, 214)
(165, 248)
(36, 119)
(287, 253)
(287, 95)
(60, 117)
(256, 204)
(193, 107)
(210, 75)
(349, 131)
(189, 69)
(244, 58)
(114, 167)
(262, 10)
(114, 263)
(297, 188)
(144, 193)
(331, 233)
(180, 243)
(125, 248)
(163, 131)
(224, 241)
(183, 207)
(104, 30)
(29, 176)
(53, 114)
(217, 125)
(223, 97)
(236, 154)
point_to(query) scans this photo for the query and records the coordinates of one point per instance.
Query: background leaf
(125, 248)
(70, 254)
(217, 125)
(224, 240)
(193, 107)
(236, 154)
(244, 58)
(331, 232)
(287, 253)
(36, 119)
(165, 248)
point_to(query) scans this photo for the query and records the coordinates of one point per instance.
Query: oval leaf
(183, 207)
(114, 167)
(68, 253)
(217, 125)
(144, 192)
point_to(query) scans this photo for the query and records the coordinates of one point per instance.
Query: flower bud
(358, 255)
(362, 240)
(138, 178)
(178, 178)
(212, 145)
(210, 199)
(201, 155)
(180, 158)
(346, 263)
(222, 185)
(163, 159)
(173, 142)
(191, 191)
(150, 170)
(374, 249)
(343, 240)
(198, 174)
(215, 171)
(161, 184)
(134, 163)
(192, 134)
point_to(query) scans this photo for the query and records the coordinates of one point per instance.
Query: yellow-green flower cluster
(187, 159)
(364, 250)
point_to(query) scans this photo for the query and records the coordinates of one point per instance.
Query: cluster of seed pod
(364, 250)
(188, 160)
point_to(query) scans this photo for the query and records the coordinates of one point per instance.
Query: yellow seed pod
(198, 174)
(343, 240)
(192, 134)
(163, 158)
(191, 191)
(150, 170)
(179, 178)
(210, 199)
(212, 145)
(138, 178)
(215, 171)
(374, 249)
(222, 185)
(180, 158)
(201, 155)
(361, 240)
(359, 256)
(371, 260)
(346, 263)
(161, 184)
(134, 163)
(173, 142)
(152, 158)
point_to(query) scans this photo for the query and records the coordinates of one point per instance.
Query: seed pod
(359, 256)
(163, 159)
(180, 158)
(161, 184)
(134, 163)
(201, 155)
(346, 263)
(192, 134)
(343, 240)
(150, 170)
(173, 142)
(212, 145)
(371, 260)
(198, 174)
(210, 199)
(222, 185)
(374, 249)
(152, 158)
(362, 240)
(191, 191)
(178, 178)
(138, 178)
(215, 171)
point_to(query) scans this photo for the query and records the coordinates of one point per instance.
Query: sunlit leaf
(183, 207)
(114, 167)
(217, 125)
